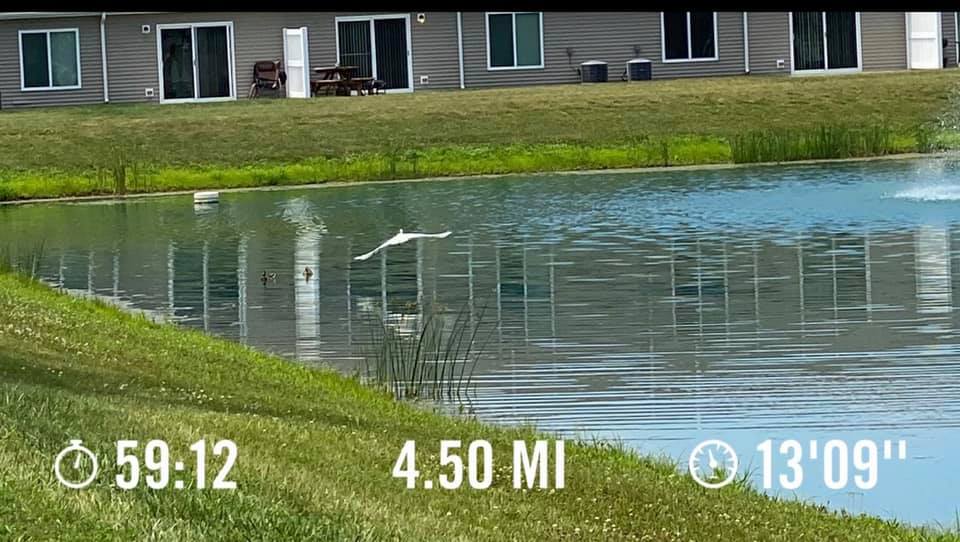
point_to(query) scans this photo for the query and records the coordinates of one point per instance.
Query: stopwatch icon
(77, 449)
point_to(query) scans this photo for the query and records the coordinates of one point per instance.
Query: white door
(923, 40)
(296, 62)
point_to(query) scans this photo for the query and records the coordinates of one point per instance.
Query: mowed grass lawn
(316, 452)
(80, 150)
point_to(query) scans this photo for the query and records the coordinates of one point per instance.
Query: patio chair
(268, 74)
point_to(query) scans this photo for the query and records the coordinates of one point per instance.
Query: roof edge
(14, 15)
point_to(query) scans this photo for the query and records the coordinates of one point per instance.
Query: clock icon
(713, 463)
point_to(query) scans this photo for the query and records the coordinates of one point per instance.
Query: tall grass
(117, 176)
(120, 174)
(825, 141)
(928, 138)
(436, 361)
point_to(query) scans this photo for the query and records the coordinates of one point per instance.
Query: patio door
(196, 62)
(379, 46)
(296, 62)
(825, 41)
(923, 45)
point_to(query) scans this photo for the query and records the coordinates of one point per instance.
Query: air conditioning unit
(639, 69)
(593, 71)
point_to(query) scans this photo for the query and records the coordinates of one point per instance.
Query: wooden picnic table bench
(340, 79)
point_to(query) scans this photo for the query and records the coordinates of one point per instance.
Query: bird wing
(436, 235)
(388, 242)
(398, 239)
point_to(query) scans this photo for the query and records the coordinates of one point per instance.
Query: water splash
(930, 193)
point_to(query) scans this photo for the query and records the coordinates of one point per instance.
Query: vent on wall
(145, 29)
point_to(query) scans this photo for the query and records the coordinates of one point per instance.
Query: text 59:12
(156, 459)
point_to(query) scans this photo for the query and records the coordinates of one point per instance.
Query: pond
(659, 309)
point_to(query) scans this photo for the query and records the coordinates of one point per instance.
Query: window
(514, 40)
(689, 35)
(49, 59)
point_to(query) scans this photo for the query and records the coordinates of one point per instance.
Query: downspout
(746, 45)
(460, 47)
(103, 56)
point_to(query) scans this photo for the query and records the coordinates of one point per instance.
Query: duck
(264, 277)
(307, 273)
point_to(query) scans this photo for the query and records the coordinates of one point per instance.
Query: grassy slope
(316, 451)
(57, 151)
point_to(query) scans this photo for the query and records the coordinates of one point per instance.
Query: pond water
(659, 309)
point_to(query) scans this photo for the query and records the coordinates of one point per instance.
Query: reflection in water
(806, 302)
(933, 270)
(171, 252)
(307, 297)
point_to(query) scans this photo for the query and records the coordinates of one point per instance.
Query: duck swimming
(307, 273)
(264, 277)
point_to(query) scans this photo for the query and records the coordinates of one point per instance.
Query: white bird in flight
(399, 239)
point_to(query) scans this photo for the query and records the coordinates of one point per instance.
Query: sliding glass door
(842, 42)
(356, 48)
(176, 46)
(825, 41)
(378, 46)
(196, 62)
(213, 62)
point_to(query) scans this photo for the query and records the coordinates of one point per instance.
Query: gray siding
(132, 55)
(569, 39)
(769, 41)
(613, 37)
(948, 24)
(91, 73)
(883, 36)
(435, 50)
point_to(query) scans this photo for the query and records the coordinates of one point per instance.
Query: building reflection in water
(171, 269)
(932, 257)
(308, 233)
(242, 287)
(205, 277)
(677, 318)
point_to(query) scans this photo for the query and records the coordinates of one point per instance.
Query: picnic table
(339, 79)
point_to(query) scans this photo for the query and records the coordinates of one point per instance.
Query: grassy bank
(315, 451)
(138, 148)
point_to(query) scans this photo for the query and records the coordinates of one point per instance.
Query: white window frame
(486, 23)
(663, 43)
(231, 61)
(50, 86)
(827, 69)
(373, 43)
